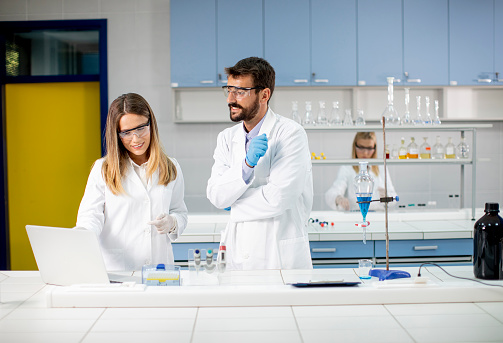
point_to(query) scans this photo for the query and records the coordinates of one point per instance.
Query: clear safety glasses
(238, 92)
(140, 131)
(364, 148)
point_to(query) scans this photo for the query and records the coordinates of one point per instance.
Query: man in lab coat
(262, 174)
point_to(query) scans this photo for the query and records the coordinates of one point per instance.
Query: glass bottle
(463, 150)
(364, 187)
(427, 119)
(438, 150)
(402, 151)
(348, 120)
(487, 241)
(406, 120)
(412, 150)
(386, 151)
(425, 150)
(308, 117)
(394, 152)
(360, 119)
(335, 118)
(449, 149)
(390, 115)
(418, 120)
(295, 112)
(436, 120)
(322, 116)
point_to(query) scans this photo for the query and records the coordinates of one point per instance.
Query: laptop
(67, 256)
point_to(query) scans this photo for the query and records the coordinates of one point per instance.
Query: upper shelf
(442, 127)
(379, 161)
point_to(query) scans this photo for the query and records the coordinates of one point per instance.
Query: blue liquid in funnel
(364, 207)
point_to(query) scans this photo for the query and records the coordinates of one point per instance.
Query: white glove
(164, 224)
(342, 202)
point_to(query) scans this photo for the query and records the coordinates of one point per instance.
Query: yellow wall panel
(52, 137)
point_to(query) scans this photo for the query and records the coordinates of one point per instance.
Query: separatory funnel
(364, 187)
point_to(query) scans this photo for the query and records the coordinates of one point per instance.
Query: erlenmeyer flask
(425, 150)
(308, 117)
(438, 150)
(427, 120)
(360, 120)
(436, 120)
(322, 116)
(418, 120)
(412, 150)
(348, 120)
(295, 112)
(335, 117)
(406, 120)
(364, 187)
(390, 115)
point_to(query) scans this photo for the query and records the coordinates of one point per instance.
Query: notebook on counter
(67, 257)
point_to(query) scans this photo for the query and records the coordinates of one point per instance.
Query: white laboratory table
(256, 306)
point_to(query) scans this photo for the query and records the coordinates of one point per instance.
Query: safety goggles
(238, 92)
(140, 131)
(364, 148)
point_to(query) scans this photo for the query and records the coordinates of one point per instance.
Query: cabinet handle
(484, 80)
(321, 80)
(426, 247)
(414, 80)
(323, 249)
(206, 81)
(300, 81)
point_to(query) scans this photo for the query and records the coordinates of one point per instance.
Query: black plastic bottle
(488, 244)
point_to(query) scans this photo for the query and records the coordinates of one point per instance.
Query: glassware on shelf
(450, 149)
(427, 120)
(394, 152)
(335, 117)
(322, 116)
(418, 120)
(436, 120)
(295, 112)
(348, 120)
(386, 151)
(406, 120)
(360, 119)
(308, 116)
(390, 115)
(412, 150)
(364, 187)
(438, 150)
(425, 150)
(463, 150)
(402, 151)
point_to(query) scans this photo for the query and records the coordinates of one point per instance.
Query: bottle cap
(492, 206)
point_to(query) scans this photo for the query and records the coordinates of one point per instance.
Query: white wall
(138, 61)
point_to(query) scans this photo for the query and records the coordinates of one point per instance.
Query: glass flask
(449, 149)
(427, 119)
(295, 112)
(394, 152)
(322, 116)
(463, 150)
(436, 120)
(425, 150)
(418, 120)
(412, 150)
(386, 151)
(364, 187)
(335, 118)
(406, 120)
(438, 150)
(360, 119)
(348, 120)
(402, 151)
(390, 115)
(308, 117)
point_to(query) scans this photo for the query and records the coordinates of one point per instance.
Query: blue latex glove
(257, 148)
(227, 208)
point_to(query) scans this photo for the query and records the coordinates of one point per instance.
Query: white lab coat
(344, 186)
(269, 216)
(127, 241)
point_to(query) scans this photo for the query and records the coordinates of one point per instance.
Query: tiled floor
(24, 317)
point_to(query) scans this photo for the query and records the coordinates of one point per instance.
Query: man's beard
(246, 114)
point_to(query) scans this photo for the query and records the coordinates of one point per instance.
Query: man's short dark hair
(262, 72)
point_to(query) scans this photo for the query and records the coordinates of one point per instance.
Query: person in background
(341, 196)
(134, 197)
(262, 174)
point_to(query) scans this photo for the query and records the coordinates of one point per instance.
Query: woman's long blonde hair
(365, 135)
(117, 158)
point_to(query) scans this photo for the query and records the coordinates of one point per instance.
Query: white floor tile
(55, 313)
(247, 336)
(357, 335)
(244, 312)
(246, 324)
(339, 311)
(138, 337)
(39, 325)
(41, 337)
(449, 321)
(143, 325)
(347, 323)
(494, 309)
(149, 313)
(427, 309)
(457, 335)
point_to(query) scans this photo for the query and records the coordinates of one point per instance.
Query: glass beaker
(335, 118)
(436, 120)
(348, 120)
(418, 120)
(402, 151)
(425, 150)
(449, 149)
(360, 120)
(390, 115)
(438, 150)
(364, 267)
(295, 112)
(427, 119)
(308, 116)
(406, 120)
(412, 150)
(364, 187)
(322, 116)
(463, 150)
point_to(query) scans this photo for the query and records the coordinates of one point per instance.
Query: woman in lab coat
(341, 196)
(134, 195)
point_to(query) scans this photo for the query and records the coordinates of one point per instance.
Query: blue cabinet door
(333, 42)
(380, 50)
(240, 33)
(193, 43)
(498, 40)
(286, 41)
(425, 42)
(471, 41)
